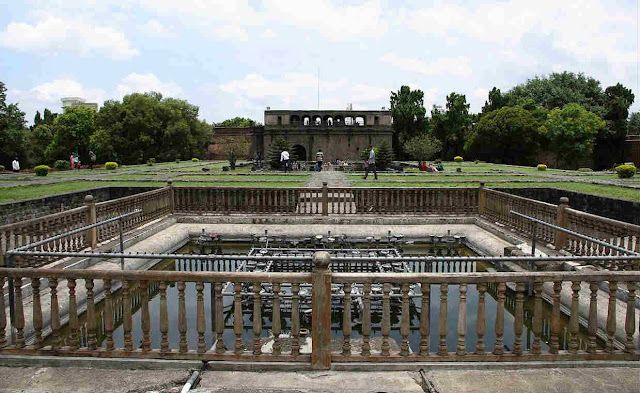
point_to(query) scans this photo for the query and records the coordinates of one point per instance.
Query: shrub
(112, 166)
(458, 159)
(542, 167)
(585, 170)
(195, 159)
(62, 165)
(205, 169)
(177, 160)
(626, 171)
(149, 162)
(476, 161)
(1, 168)
(41, 170)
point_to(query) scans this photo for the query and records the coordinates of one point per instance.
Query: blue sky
(235, 58)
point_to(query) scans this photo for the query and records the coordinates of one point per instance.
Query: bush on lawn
(1, 168)
(625, 171)
(542, 167)
(112, 166)
(177, 160)
(195, 159)
(62, 165)
(585, 170)
(458, 159)
(41, 170)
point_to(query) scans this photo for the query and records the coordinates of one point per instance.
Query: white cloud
(231, 32)
(142, 83)
(153, 28)
(458, 66)
(268, 33)
(55, 35)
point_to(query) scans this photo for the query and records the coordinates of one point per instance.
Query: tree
(571, 132)
(12, 126)
(384, 155)
(609, 145)
(72, 131)
(422, 147)
(633, 128)
(276, 147)
(408, 112)
(238, 122)
(233, 148)
(496, 101)
(508, 136)
(37, 140)
(451, 126)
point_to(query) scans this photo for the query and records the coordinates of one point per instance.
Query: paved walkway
(81, 379)
(333, 178)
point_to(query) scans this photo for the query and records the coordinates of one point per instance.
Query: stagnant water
(376, 317)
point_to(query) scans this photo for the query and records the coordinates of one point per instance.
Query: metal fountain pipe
(576, 234)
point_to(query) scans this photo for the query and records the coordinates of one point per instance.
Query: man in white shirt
(319, 159)
(284, 158)
(371, 163)
(16, 165)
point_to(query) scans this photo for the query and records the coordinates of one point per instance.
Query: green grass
(424, 177)
(233, 178)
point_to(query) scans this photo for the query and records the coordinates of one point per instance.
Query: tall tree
(507, 136)
(37, 139)
(72, 131)
(12, 126)
(633, 128)
(408, 112)
(422, 147)
(238, 122)
(609, 145)
(495, 101)
(571, 132)
(452, 126)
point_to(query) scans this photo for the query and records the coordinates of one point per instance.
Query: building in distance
(71, 102)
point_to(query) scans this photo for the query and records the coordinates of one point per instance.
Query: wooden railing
(37, 322)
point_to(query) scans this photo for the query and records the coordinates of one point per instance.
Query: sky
(235, 58)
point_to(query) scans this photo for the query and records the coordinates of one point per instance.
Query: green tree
(571, 132)
(238, 122)
(384, 155)
(12, 126)
(452, 126)
(72, 131)
(37, 140)
(496, 101)
(408, 112)
(508, 136)
(422, 147)
(276, 147)
(633, 128)
(609, 145)
(233, 148)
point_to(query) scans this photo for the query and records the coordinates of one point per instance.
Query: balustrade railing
(383, 317)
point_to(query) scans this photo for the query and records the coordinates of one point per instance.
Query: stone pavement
(333, 178)
(77, 379)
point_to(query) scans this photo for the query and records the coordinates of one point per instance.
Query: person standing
(371, 164)
(319, 159)
(92, 159)
(284, 158)
(16, 165)
(72, 161)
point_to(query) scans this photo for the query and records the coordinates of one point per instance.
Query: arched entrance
(299, 153)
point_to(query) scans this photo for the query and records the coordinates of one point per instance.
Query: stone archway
(299, 153)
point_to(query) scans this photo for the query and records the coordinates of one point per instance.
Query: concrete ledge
(352, 219)
(106, 363)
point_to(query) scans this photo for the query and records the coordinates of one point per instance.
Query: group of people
(438, 167)
(369, 163)
(74, 160)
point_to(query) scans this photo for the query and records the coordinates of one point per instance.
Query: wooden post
(561, 221)
(325, 199)
(481, 198)
(321, 311)
(92, 234)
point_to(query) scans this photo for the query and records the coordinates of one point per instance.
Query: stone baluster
(183, 326)
(37, 312)
(611, 317)
(498, 348)
(593, 318)
(55, 314)
(3, 316)
(386, 319)
(481, 320)
(145, 317)
(462, 321)
(424, 318)
(201, 324)
(108, 315)
(406, 321)
(219, 318)
(238, 347)
(366, 320)
(257, 319)
(346, 320)
(164, 319)
(573, 319)
(295, 319)
(276, 323)
(444, 310)
(519, 319)
(91, 315)
(127, 321)
(554, 345)
(537, 317)
(630, 320)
